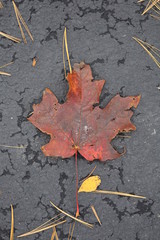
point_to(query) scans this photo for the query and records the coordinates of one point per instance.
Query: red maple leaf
(77, 125)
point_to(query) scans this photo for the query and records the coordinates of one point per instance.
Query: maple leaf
(77, 125)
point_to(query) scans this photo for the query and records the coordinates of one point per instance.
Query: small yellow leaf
(90, 184)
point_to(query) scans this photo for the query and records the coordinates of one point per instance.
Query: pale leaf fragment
(90, 184)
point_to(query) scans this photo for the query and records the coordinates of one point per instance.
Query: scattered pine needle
(66, 47)
(70, 226)
(1, 5)
(74, 218)
(154, 16)
(44, 228)
(149, 48)
(54, 234)
(7, 146)
(5, 73)
(12, 224)
(7, 64)
(89, 174)
(73, 227)
(119, 193)
(19, 18)
(47, 223)
(149, 6)
(96, 215)
(14, 39)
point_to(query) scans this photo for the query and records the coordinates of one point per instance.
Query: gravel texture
(99, 33)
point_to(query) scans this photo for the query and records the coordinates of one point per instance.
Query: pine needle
(7, 64)
(149, 6)
(73, 227)
(151, 48)
(14, 39)
(154, 16)
(12, 224)
(96, 215)
(42, 229)
(20, 18)
(8, 146)
(24, 24)
(70, 226)
(54, 234)
(5, 73)
(74, 218)
(1, 5)
(88, 175)
(66, 47)
(119, 193)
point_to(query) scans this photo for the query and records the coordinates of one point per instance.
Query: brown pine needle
(89, 174)
(157, 5)
(12, 224)
(24, 23)
(156, 10)
(66, 47)
(56, 235)
(7, 64)
(20, 27)
(48, 223)
(53, 234)
(74, 218)
(14, 39)
(154, 16)
(73, 227)
(96, 215)
(145, 46)
(119, 193)
(42, 229)
(149, 6)
(1, 5)
(8, 146)
(5, 73)
(70, 226)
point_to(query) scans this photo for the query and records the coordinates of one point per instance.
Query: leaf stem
(77, 213)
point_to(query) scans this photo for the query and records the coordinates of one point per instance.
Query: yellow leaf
(90, 184)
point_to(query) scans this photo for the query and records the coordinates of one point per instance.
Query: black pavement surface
(99, 33)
